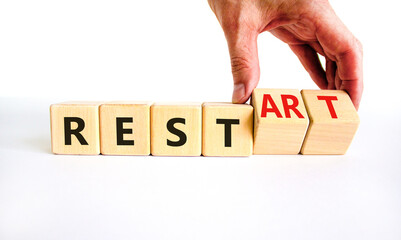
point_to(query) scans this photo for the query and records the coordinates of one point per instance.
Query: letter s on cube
(176, 129)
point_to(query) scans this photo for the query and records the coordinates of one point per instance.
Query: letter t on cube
(227, 129)
(334, 122)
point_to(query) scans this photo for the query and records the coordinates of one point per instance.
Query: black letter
(121, 131)
(227, 129)
(68, 131)
(179, 133)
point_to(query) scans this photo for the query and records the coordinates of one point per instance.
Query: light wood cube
(227, 129)
(334, 122)
(280, 121)
(176, 129)
(125, 128)
(75, 128)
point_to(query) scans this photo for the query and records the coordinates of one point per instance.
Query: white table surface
(46, 196)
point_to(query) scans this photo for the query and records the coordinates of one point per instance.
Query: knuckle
(353, 49)
(239, 64)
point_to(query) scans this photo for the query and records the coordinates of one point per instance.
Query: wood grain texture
(136, 125)
(227, 129)
(278, 132)
(89, 113)
(329, 132)
(161, 114)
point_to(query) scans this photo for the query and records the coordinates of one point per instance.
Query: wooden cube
(75, 128)
(227, 129)
(280, 121)
(334, 122)
(125, 128)
(176, 129)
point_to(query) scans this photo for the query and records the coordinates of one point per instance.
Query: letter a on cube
(227, 129)
(334, 122)
(75, 128)
(125, 128)
(280, 121)
(176, 129)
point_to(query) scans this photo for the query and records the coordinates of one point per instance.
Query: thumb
(244, 64)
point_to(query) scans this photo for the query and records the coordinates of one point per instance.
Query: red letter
(266, 98)
(292, 107)
(329, 103)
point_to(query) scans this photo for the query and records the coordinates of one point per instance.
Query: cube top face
(176, 129)
(125, 128)
(279, 106)
(75, 128)
(227, 129)
(230, 107)
(226, 105)
(129, 103)
(176, 104)
(78, 104)
(329, 106)
(111, 105)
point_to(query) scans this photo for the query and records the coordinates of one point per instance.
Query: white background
(52, 51)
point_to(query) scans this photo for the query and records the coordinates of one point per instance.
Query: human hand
(309, 27)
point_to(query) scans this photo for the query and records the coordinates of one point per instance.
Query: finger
(351, 74)
(354, 89)
(331, 68)
(338, 41)
(309, 59)
(317, 47)
(337, 81)
(243, 50)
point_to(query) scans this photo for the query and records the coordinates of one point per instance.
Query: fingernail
(238, 93)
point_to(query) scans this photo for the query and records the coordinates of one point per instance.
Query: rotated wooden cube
(334, 122)
(227, 129)
(176, 129)
(75, 128)
(125, 128)
(280, 121)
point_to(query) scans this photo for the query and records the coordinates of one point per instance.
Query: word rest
(278, 121)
